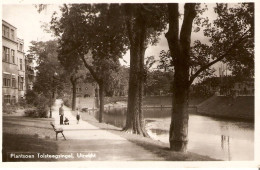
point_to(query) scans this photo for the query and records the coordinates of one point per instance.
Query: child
(66, 121)
(78, 115)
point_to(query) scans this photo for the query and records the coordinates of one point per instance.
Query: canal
(214, 137)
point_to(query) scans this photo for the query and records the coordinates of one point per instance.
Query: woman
(78, 115)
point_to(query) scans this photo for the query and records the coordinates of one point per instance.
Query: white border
(154, 164)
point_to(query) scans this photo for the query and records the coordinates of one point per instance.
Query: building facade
(13, 65)
(30, 73)
(244, 88)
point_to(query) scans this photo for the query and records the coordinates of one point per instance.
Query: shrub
(9, 109)
(66, 101)
(32, 112)
(39, 112)
(31, 97)
(41, 108)
(22, 103)
(42, 112)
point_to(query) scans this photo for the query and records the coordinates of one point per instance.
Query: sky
(29, 22)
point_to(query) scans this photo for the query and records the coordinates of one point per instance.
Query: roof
(8, 23)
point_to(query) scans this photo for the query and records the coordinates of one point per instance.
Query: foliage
(165, 61)
(90, 34)
(22, 103)
(157, 82)
(40, 105)
(231, 39)
(50, 75)
(31, 112)
(43, 104)
(118, 85)
(66, 101)
(9, 109)
(31, 97)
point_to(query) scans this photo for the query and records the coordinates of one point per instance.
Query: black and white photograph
(129, 82)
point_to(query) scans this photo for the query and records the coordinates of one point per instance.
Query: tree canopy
(49, 70)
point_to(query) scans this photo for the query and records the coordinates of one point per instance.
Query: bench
(57, 130)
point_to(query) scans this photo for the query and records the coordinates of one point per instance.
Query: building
(244, 88)
(30, 73)
(225, 86)
(85, 90)
(13, 65)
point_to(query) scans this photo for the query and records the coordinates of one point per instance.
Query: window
(3, 54)
(7, 99)
(12, 34)
(12, 56)
(6, 80)
(5, 31)
(20, 83)
(13, 100)
(21, 47)
(21, 64)
(6, 54)
(13, 82)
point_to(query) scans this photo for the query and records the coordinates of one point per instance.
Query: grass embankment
(27, 135)
(241, 107)
(159, 148)
(155, 101)
(34, 135)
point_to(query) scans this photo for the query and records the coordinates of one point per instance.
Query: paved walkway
(84, 137)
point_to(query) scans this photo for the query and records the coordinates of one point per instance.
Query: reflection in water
(225, 145)
(217, 138)
(159, 131)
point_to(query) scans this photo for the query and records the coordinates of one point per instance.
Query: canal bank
(216, 134)
(154, 146)
(239, 108)
(217, 138)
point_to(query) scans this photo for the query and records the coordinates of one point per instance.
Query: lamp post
(53, 92)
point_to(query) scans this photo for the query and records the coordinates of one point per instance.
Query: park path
(84, 138)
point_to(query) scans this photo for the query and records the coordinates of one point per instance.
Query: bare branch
(203, 68)
(91, 70)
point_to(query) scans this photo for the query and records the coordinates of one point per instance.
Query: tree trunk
(97, 96)
(73, 81)
(180, 52)
(74, 95)
(180, 116)
(101, 98)
(134, 118)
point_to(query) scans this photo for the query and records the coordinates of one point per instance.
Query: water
(213, 137)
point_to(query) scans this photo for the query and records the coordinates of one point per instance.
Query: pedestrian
(61, 112)
(78, 115)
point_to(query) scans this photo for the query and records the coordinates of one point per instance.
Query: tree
(75, 77)
(231, 39)
(118, 82)
(144, 23)
(165, 61)
(48, 78)
(92, 34)
(157, 81)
